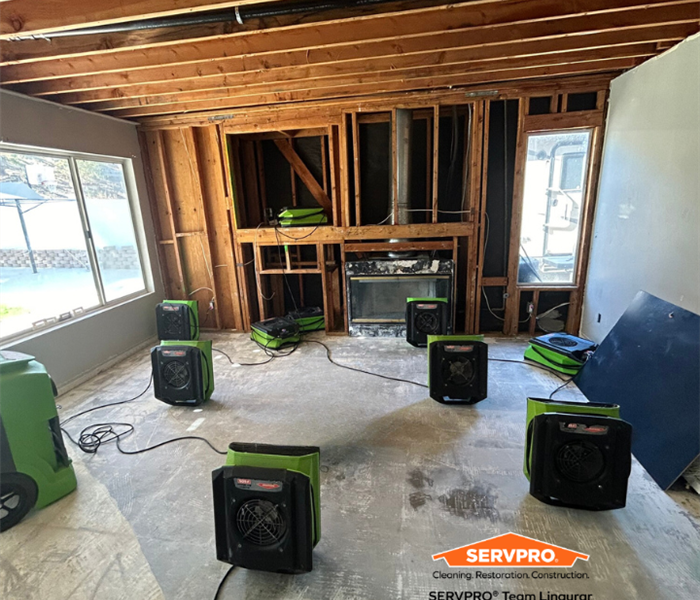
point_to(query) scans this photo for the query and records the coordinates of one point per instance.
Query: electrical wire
(561, 387)
(83, 412)
(223, 581)
(93, 436)
(270, 358)
(330, 359)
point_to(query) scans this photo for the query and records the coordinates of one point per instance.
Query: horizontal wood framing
(399, 48)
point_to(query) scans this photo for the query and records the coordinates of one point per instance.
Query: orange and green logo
(510, 550)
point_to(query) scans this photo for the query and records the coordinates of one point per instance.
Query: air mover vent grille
(260, 522)
(563, 342)
(458, 371)
(172, 323)
(427, 322)
(580, 461)
(176, 374)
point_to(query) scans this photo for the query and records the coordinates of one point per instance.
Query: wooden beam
(268, 236)
(74, 90)
(390, 83)
(342, 40)
(356, 167)
(360, 80)
(323, 112)
(27, 17)
(436, 154)
(26, 50)
(305, 175)
(563, 120)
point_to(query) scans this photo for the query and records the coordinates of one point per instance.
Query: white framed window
(69, 242)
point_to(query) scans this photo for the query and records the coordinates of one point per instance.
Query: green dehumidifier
(267, 507)
(34, 466)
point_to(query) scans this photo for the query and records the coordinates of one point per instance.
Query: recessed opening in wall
(540, 105)
(581, 101)
(492, 308)
(272, 172)
(552, 311)
(503, 133)
(553, 206)
(375, 167)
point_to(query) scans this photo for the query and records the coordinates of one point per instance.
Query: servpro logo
(510, 550)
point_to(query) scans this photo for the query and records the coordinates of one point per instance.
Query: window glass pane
(44, 266)
(555, 175)
(107, 205)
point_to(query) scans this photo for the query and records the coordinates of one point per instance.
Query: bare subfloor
(403, 478)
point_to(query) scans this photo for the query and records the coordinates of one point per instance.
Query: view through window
(67, 239)
(553, 200)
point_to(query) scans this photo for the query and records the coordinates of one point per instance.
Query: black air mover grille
(260, 522)
(580, 461)
(563, 342)
(172, 322)
(176, 374)
(427, 322)
(458, 371)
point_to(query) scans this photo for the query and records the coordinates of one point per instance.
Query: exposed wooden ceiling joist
(295, 66)
(384, 86)
(390, 52)
(390, 27)
(360, 78)
(29, 17)
(321, 113)
(28, 50)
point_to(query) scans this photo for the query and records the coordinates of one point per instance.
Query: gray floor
(403, 477)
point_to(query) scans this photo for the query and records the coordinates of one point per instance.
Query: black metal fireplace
(377, 291)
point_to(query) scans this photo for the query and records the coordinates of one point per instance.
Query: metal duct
(401, 191)
(238, 15)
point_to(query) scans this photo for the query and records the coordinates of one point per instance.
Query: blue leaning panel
(649, 364)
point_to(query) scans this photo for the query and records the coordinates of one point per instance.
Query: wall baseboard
(80, 379)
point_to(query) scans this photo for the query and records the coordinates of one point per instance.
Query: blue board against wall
(649, 364)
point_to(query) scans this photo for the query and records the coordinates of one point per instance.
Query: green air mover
(308, 318)
(267, 507)
(183, 372)
(457, 368)
(580, 461)
(424, 317)
(560, 351)
(275, 333)
(539, 406)
(177, 320)
(34, 466)
(297, 217)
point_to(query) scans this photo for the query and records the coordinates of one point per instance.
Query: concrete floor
(403, 477)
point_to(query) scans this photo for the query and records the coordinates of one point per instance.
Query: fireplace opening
(378, 289)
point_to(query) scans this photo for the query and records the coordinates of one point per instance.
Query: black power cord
(561, 387)
(223, 581)
(330, 358)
